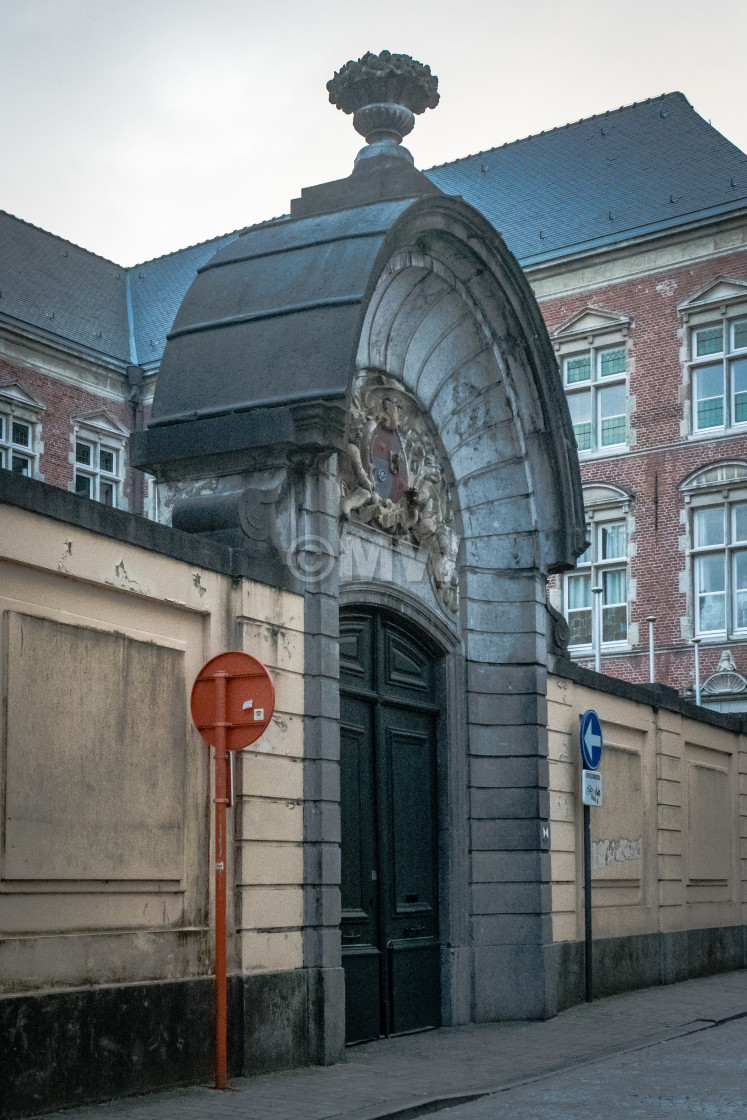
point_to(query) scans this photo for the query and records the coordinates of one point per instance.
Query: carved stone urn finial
(384, 92)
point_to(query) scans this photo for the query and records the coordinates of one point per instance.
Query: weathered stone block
(522, 649)
(514, 772)
(509, 982)
(507, 710)
(321, 780)
(495, 804)
(506, 835)
(321, 822)
(511, 929)
(505, 680)
(511, 898)
(512, 741)
(507, 867)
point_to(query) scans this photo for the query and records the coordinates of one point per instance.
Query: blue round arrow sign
(591, 739)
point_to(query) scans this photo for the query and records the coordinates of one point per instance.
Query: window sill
(606, 453)
(719, 433)
(607, 647)
(719, 637)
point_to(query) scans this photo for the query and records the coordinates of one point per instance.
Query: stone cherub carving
(391, 476)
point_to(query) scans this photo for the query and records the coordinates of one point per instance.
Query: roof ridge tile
(65, 240)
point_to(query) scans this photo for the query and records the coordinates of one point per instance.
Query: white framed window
(593, 355)
(719, 374)
(99, 458)
(717, 501)
(20, 430)
(604, 564)
(716, 357)
(720, 569)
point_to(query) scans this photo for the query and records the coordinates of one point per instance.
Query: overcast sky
(136, 127)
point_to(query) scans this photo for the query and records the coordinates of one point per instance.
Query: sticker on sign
(247, 696)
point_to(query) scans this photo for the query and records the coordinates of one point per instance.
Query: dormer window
(593, 356)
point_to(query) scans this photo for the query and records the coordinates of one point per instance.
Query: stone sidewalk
(423, 1073)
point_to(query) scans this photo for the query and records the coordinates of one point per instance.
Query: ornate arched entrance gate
(363, 400)
(390, 926)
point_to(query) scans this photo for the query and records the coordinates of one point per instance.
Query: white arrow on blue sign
(591, 739)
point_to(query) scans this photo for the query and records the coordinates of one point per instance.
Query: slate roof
(103, 309)
(157, 288)
(638, 170)
(52, 285)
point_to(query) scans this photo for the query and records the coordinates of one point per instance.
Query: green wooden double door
(390, 937)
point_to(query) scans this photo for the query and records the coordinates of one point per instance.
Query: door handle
(413, 931)
(349, 938)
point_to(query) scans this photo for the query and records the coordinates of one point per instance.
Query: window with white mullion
(739, 583)
(595, 384)
(96, 473)
(719, 375)
(16, 444)
(720, 569)
(580, 409)
(738, 380)
(614, 605)
(578, 610)
(709, 397)
(710, 592)
(611, 421)
(605, 566)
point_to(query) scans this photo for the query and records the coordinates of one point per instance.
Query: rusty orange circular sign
(250, 699)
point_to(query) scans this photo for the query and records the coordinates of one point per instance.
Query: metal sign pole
(588, 947)
(591, 794)
(221, 801)
(232, 702)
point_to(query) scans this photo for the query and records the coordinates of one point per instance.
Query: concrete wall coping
(116, 524)
(652, 695)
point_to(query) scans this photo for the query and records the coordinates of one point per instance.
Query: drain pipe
(696, 643)
(651, 620)
(597, 624)
(135, 378)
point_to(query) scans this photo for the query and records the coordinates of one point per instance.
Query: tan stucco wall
(105, 872)
(667, 843)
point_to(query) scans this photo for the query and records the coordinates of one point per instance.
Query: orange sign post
(232, 702)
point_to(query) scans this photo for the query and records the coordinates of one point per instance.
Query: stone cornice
(26, 348)
(641, 254)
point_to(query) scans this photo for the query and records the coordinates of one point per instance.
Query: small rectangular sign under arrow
(591, 787)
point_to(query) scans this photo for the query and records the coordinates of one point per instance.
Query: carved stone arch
(715, 477)
(377, 593)
(603, 495)
(451, 314)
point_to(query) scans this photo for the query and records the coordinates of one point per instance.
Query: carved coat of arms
(391, 476)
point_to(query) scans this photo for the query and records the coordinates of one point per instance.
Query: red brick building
(80, 342)
(632, 228)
